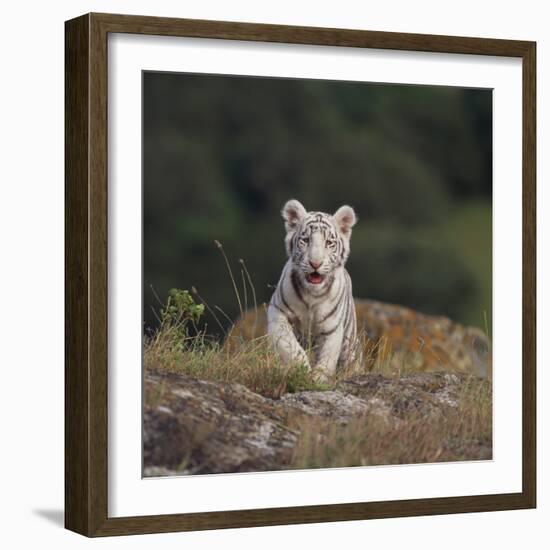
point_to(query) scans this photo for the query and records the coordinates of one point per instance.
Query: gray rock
(206, 427)
(194, 426)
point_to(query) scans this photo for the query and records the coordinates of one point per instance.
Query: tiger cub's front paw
(321, 377)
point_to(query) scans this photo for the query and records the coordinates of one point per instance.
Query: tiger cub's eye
(330, 242)
(304, 240)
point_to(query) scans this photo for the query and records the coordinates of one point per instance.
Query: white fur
(320, 316)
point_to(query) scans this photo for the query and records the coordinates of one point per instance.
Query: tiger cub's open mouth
(314, 278)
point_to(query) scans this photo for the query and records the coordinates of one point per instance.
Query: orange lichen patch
(396, 333)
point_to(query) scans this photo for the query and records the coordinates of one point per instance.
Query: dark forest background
(221, 155)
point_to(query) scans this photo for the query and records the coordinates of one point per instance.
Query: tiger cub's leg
(351, 349)
(282, 336)
(327, 352)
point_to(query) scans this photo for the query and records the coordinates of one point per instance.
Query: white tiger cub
(313, 302)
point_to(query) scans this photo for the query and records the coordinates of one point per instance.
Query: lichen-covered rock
(433, 343)
(193, 426)
(336, 406)
(402, 336)
(431, 393)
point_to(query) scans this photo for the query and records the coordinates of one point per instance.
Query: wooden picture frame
(86, 283)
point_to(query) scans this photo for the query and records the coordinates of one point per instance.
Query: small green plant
(179, 311)
(299, 378)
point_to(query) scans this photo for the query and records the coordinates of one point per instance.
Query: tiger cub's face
(317, 243)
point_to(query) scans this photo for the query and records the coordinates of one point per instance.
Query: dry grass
(251, 363)
(462, 433)
(254, 363)
(248, 361)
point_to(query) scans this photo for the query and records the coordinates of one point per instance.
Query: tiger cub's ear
(345, 219)
(293, 213)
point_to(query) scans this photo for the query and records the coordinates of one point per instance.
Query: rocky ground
(195, 426)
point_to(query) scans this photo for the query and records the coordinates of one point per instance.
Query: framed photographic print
(300, 275)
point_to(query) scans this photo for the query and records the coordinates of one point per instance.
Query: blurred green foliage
(221, 155)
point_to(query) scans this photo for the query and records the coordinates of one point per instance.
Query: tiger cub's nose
(315, 265)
